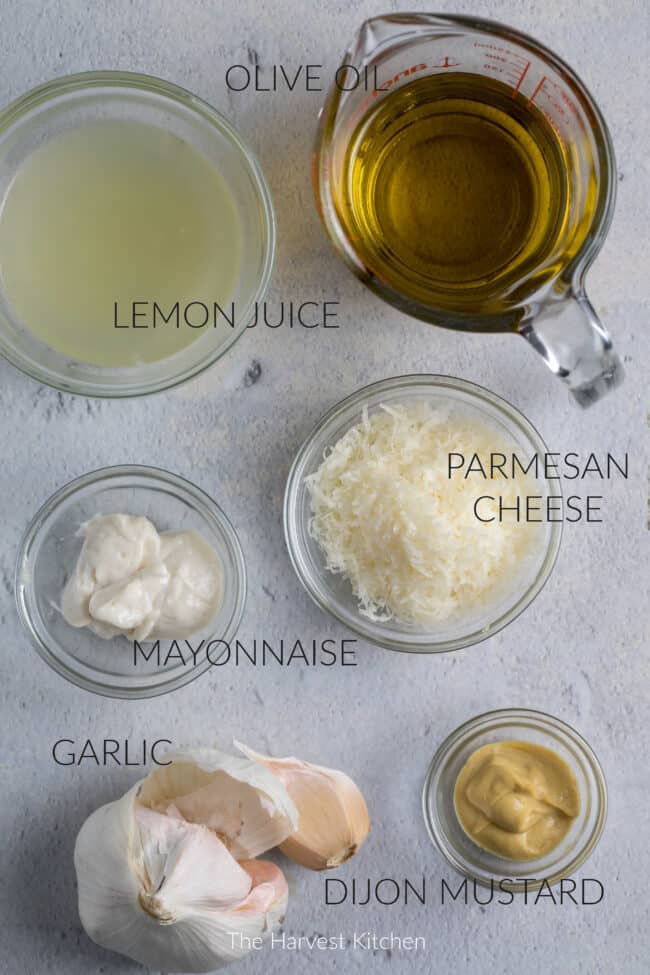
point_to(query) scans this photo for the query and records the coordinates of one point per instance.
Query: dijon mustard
(516, 799)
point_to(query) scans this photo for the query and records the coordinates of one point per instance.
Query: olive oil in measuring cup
(473, 186)
(455, 189)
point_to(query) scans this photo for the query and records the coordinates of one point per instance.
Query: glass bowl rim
(200, 502)
(133, 82)
(357, 623)
(543, 718)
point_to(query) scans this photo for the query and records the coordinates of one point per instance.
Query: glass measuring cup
(547, 304)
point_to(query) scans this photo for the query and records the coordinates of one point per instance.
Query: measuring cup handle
(576, 347)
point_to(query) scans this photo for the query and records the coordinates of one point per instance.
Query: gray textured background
(581, 651)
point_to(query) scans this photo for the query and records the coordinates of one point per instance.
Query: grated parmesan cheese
(387, 516)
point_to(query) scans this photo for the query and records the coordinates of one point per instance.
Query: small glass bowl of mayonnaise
(487, 869)
(121, 667)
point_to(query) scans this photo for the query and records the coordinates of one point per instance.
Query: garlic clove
(259, 914)
(167, 893)
(243, 802)
(333, 816)
(269, 891)
(182, 866)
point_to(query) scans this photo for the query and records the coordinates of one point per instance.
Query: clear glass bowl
(521, 725)
(333, 592)
(49, 552)
(64, 104)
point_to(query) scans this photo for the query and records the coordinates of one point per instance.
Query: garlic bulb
(158, 872)
(333, 816)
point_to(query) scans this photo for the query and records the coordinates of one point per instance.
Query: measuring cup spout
(576, 347)
(387, 29)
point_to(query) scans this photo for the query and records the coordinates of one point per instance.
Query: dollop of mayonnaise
(132, 581)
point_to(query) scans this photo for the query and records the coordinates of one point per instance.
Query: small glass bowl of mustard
(526, 726)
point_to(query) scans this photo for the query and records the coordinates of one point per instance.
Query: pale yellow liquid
(116, 211)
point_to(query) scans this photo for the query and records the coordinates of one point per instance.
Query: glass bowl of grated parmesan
(420, 513)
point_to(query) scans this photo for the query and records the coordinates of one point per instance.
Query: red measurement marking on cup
(539, 88)
(379, 90)
(507, 65)
(556, 103)
(446, 63)
(521, 77)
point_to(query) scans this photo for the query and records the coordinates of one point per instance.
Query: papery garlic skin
(170, 893)
(333, 815)
(241, 800)
(107, 888)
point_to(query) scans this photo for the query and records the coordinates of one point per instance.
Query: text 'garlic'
(333, 818)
